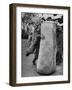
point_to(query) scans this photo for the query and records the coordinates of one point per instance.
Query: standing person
(35, 42)
(37, 35)
(59, 35)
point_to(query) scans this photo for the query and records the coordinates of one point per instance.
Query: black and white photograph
(39, 44)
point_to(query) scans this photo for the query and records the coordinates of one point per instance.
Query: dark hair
(43, 18)
(49, 19)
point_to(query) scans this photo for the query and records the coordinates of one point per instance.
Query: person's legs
(30, 50)
(36, 53)
(58, 58)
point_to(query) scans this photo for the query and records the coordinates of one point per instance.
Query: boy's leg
(36, 53)
(30, 50)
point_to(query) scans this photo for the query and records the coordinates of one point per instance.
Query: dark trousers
(34, 48)
(37, 46)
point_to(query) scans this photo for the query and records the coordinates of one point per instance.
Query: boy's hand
(42, 37)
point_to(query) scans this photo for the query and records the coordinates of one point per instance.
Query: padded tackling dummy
(46, 63)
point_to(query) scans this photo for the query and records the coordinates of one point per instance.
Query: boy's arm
(42, 36)
(29, 38)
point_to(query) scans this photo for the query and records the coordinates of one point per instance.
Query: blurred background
(35, 19)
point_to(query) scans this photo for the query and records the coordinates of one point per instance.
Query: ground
(28, 69)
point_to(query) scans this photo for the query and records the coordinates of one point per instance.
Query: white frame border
(63, 77)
